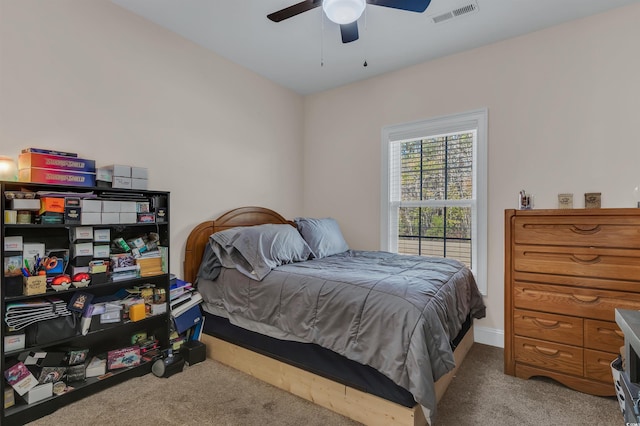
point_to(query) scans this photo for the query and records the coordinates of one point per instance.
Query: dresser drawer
(590, 231)
(578, 302)
(597, 365)
(549, 355)
(602, 335)
(619, 264)
(556, 328)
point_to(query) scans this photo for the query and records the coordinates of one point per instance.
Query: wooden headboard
(199, 236)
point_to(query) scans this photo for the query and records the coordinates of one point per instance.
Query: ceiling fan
(346, 12)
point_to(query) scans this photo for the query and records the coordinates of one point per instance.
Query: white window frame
(475, 120)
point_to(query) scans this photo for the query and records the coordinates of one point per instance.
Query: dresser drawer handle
(585, 299)
(585, 261)
(610, 332)
(585, 229)
(544, 351)
(542, 323)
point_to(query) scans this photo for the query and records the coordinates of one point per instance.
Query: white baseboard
(488, 336)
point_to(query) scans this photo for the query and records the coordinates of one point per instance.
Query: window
(434, 189)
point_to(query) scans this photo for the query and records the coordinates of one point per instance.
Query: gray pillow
(256, 250)
(322, 235)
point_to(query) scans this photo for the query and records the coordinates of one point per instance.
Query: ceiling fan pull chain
(322, 39)
(366, 42)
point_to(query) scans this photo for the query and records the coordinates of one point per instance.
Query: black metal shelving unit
(99, 341)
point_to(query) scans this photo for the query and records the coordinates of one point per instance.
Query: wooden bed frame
(352, 403)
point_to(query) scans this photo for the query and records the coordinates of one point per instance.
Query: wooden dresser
(565, 273)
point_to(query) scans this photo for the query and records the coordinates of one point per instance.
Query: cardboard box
(10, 216)
(82, 249)
(91, 206)
(121, 182)
(13, 243)
(109, 206)
(102, 235)
(128, 206)
(139, 173)
(30, 204)
(56, 162)
(38, 393)
(120, 170)
(36, 284)
(90, 218)
(30, 251)
(72, 215)
(125, 357)
(146, 218)
(104, 174)
(139, 183)
(72, 202)
(137, 312)
(128, 217)
(52, 205)
(58, 177)
(101, 251)
(82, 233)
(13, 265)
(110, 218)
(14, 342)
(20, 378)
(9, 397)
(96, 367)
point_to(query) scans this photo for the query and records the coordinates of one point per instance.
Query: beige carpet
(210, 393)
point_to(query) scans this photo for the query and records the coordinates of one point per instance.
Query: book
(51, 374)
(75, 373)
(196, 298)
(20, 378)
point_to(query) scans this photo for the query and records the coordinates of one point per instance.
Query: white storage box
(39, 393)
(82, 233)
(109, 206)
(91, 206)
(102, 235)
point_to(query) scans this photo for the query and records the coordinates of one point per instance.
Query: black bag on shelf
(47, 331)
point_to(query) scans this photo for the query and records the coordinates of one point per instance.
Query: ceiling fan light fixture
(343, 11)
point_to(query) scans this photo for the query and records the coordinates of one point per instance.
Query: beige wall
(93, 78)
(563, 117)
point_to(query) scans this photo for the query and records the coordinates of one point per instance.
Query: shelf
(74, 225)
(124, 327)
(119, 284)
(97, 341)
(23, 413)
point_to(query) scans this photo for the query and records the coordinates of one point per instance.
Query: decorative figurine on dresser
(566, 271)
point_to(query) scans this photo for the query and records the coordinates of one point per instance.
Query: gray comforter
(396, 313)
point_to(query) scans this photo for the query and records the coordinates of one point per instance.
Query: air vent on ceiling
(459, 11)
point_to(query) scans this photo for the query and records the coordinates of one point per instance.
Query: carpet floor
(210, 393)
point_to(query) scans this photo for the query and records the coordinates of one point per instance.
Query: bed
(374, 336)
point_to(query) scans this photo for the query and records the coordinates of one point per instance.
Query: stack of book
(150, 265)
(185, 306)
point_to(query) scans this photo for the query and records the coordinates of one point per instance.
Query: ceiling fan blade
(409, 5)
(349, 32)
(296, 9)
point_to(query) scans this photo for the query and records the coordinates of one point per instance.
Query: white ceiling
(290, 52)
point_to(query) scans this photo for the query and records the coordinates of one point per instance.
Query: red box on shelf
(58, 162)
(125, 357)
(60, 177)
